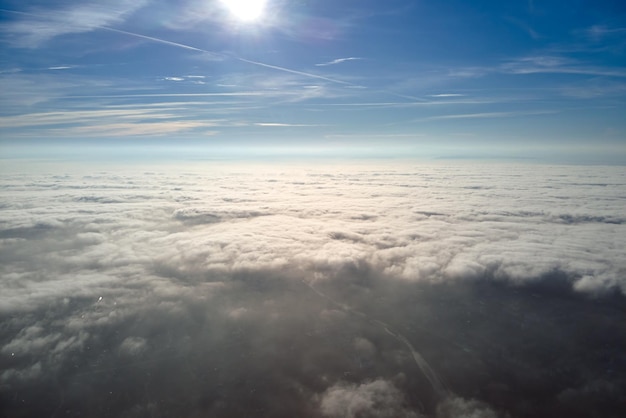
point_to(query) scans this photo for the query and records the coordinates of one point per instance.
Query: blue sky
(525, 79)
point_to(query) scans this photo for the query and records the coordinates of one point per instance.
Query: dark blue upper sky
(455, 78)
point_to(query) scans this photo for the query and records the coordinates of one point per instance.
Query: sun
(246, 10)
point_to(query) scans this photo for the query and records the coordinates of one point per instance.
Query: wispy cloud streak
(548, 64)
(447, 95)
(338, 61)
(488, 115)
(45, 25)
(284, 125)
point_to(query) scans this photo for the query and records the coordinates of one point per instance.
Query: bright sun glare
(246, 10)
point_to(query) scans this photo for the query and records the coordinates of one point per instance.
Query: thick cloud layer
(220, 289)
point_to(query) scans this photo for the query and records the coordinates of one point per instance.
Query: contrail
(158, 40)
(223, 55)
(275, 67)
(227, 55)
(193, 48)
(437, 384)
(337, 61)
(433, 378)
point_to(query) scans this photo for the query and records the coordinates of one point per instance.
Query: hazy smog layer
(315, 290)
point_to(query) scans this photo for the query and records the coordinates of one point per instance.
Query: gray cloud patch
(307, 291)
(195, 215)
(458, 407)
(371, 399)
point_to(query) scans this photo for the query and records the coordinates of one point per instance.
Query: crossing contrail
(225, 55)
(261, 64)
(193, 48)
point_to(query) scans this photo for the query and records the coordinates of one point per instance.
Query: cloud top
(223, 289)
